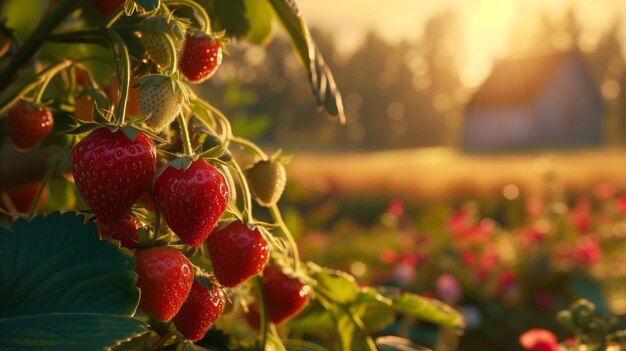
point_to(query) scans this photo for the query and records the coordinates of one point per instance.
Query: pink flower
(395, 207)
(539, 340)
(620, 204)
(448, 289)
(604, 191)
(531, 236)
(587, 250)
(581, 215)
(388, 256)
(468, 257)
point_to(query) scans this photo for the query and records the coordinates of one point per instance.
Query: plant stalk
(32, 44)
(44, 184)
(278, 218)
(184, 135)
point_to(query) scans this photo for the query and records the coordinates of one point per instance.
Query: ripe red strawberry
(160, 98)
(192, 200)
(111, 171)
(23, 197)
(237, 253)
(267, 181)
(200, 310)
(201, 57)
(285, 296)
(124, 230)
(165, 278)
(106, 7)
(28, 124)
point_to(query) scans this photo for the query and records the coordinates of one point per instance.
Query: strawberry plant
(150, 238)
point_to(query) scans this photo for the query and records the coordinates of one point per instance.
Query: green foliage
(352, 312)
(320, 78)
(72, 290)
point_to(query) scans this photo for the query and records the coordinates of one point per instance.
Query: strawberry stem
(30, 47)
(247, 197)
(184, 135)
(123, 73)
(42, 186)
(162, 340)
(263, 312)
(278, 218)
(250, 145)
(15, 92)
(195, 6)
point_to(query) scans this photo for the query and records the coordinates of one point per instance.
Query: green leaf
(429, 310)
(341, 285)
(66, 332)
(320, 77)
(57, 264)
(56, 275)
(315, 317)
(394, 343)
(259, 15)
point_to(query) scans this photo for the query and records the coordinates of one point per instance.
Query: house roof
(517, 81)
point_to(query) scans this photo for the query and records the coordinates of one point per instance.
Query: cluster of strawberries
(113, 168)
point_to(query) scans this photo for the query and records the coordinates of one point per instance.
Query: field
(438, 174)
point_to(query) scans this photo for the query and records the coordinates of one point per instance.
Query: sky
(486, 25)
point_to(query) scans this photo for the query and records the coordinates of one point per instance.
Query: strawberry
(201, 309)
(201, 57)
(28, 124)
(285, 296)
(107, 7)
(165, 278)
(160, 98)
(23, 197)
(267, 179)
(111, 171)
(155, 44)
(191, 200)
(124, 230)
(237, 253)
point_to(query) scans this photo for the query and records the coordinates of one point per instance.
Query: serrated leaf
(57, 274)
(315, 317)
(58, 264)
(320, 77)
(67, 332)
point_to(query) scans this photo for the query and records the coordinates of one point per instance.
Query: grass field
(436, 174)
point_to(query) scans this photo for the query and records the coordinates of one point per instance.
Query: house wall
(498, 127)
(568, 111)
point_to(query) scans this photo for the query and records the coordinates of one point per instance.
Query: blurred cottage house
(547, 101)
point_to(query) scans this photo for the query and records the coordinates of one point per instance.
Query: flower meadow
(509, 266)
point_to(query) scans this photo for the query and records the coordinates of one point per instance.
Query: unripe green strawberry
(155, 42)
(160, 98)
(267, 179)
(157, 48)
